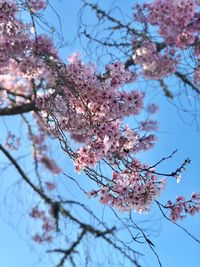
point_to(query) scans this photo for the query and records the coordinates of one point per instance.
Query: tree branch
(184, 79)
(87, 228)
(18, 109)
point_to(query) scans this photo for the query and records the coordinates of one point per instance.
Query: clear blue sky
(175, 248)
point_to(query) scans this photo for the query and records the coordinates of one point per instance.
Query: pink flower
(50, 186)
(36, 5)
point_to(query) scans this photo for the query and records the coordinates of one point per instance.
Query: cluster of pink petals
(149, 125)
(41, 149)
(20, 60)
(47, 225)
(91, 108)
(152, 108)
(197, 76)
(181, 207)
(75, 100)
(155, 65)
(178, 25)
(12, 141)
(50, 186)
(135, 188)
(116, 71)
(36, 5)
(175, 20)
(3, 98)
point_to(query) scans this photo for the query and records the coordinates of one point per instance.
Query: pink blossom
(36, 5)
(181, 207)
(50, 186)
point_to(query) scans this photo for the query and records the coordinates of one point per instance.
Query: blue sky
(175, 248)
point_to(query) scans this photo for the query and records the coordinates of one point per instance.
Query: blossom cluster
(20, 63)
(22, 71)
(135, 188)
(91, 108)
(181, 207)
(155, 65)
(36, 5)
(197, 76)
(12, 141)
(47, 225)
(92, 111)
(40, 150)
(75, 100)
(177, 26)
(176, 20)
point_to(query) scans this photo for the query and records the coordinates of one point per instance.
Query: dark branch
(87, 228)
(184, 79)
(18, 109)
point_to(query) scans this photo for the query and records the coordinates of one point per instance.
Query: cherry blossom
(76, 101)
(181, 207)
(47, 225)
